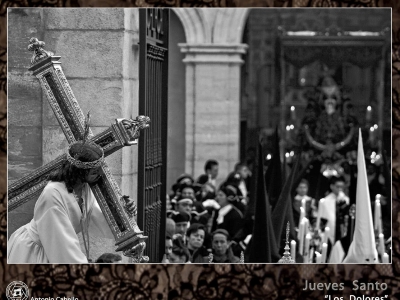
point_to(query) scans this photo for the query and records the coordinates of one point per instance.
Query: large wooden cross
(47, 68)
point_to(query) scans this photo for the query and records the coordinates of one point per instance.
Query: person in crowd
(179, 253)
(176, 190)
(242, 239)
(221, 247)
(65, 208)
(229, 217)
(109, 258)
(188, 192)
(195, 240)
(200, 214)
(207, 191)
(170, 226)
(208, 195)
(181, 220)
(309, 203)
(233, 180)
(250, 158)
(184, 205)
(333, 209)
(211, 172)
(168, 249)
(245, 173)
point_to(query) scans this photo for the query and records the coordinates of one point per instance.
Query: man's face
(168, 247)
(302, 189)
(213, 171)
(181, 227)
(184, 207)
(337, 187)
(220, 244)
(244, 172)
(93, 175)
(196, 239)
(188, 192)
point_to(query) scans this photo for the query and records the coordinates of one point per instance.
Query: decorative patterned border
(239, 281)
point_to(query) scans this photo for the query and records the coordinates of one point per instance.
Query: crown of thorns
(85, 165)
(82, 145)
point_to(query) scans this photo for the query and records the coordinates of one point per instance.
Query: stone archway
(213, 58)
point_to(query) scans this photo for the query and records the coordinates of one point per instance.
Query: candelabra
(286, 258)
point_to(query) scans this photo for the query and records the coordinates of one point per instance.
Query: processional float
(124, 132)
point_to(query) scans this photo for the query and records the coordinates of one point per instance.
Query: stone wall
(213, 58)
(99, 55)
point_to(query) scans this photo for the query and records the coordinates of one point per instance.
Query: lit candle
(378, 217)
(385, 258)
(326, 235)
(372, 135)
(293, 113)
(306, 226)
(317, 225)
(381, 246)
(324, 251)
(307, 249)
(377, 199)
(287, 132)
(302, 215)
(301, 237)
(369, 113)
(317, 257)
(293, 249)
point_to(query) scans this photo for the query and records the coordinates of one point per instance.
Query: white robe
(51, 236)
(327, 210)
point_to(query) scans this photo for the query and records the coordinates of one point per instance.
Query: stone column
(212, 105)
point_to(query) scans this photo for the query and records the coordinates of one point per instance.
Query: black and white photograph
(235, 136)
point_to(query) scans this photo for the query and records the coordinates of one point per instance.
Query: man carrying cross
(81, 196)
(66, 207)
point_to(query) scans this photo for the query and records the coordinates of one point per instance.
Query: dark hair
(304, 181)
(70, 174)
(183, 177)
(239, 166)
(109, 258)
(179, 248)
(186, 186)
(233, 179)
(223, 232)
(335, 179)
(194, 228)
(202, 179)
(230, 191)
(209, 164)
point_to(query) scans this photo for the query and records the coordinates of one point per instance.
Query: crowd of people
(210, 224)
(203, 221)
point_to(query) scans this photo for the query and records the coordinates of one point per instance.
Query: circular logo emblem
(17, 290)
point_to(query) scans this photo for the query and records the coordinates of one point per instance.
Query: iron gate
(153, 97)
